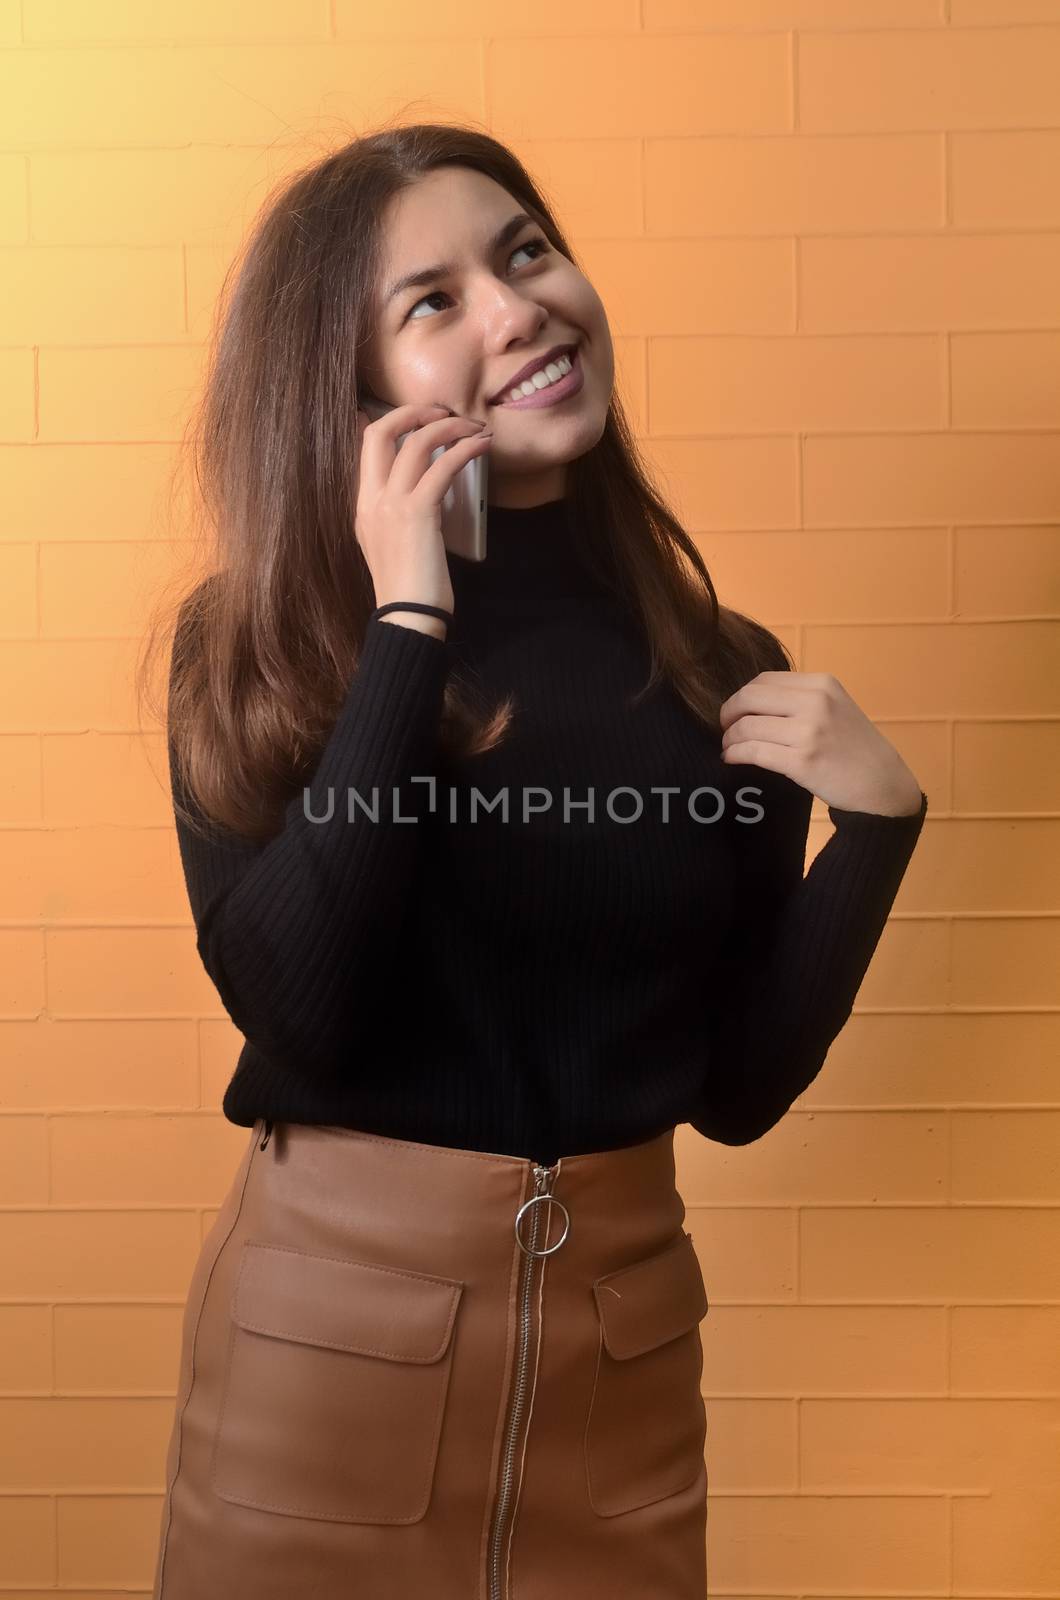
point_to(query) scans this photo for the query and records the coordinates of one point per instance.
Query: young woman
(498, 868)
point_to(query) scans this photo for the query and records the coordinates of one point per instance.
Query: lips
(531, 367)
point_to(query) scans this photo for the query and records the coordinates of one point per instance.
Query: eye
(538, 244)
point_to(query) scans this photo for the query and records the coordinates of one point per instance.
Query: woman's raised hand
(398, 509)
(806, 726)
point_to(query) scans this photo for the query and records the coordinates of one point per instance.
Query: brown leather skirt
(409, 1370)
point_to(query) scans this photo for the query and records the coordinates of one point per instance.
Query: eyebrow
(426, 275)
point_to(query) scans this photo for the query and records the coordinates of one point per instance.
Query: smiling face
(460, 338)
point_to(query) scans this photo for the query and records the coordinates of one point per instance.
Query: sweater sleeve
(295, 932)
(798, 953)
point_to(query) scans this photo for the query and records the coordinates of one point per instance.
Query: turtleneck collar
(511, 528)
(533, 545)
(533, 567)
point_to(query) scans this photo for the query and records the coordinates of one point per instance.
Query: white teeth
(542, 378)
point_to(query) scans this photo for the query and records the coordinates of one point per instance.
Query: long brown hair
(265, 645)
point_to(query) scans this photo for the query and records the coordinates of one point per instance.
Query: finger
(761, 753)
(400, 419)
(439, 475)
(778, 730)
(413, 458)
(768, 692)
(378, 436)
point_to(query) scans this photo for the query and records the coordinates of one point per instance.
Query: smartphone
(464, 505)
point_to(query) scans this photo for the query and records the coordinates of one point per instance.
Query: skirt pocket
(646, 1428)
(335, 1386)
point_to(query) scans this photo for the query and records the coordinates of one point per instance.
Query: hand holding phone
(398, 507)
(462, 481)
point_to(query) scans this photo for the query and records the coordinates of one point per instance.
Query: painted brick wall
(827, 233)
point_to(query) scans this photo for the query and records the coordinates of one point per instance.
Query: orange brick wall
(827, 233)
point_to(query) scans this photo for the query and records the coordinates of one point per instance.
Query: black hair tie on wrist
(413, 605)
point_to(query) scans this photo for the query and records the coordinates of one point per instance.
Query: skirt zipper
(505, 1507)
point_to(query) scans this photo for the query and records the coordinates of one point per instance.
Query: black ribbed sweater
(536, 986)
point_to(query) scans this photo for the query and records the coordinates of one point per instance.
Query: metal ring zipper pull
(533, 1201)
